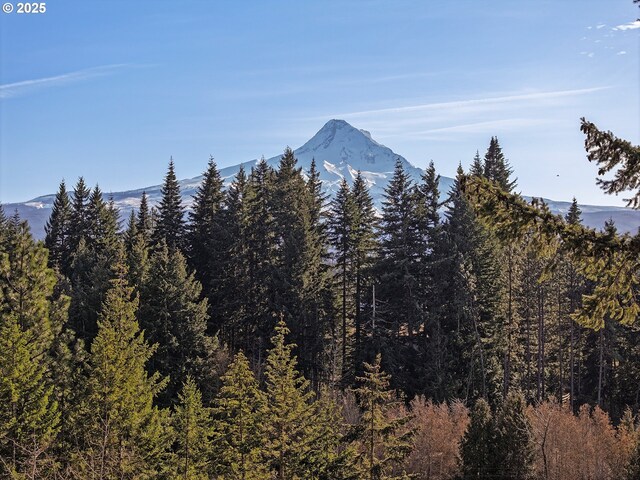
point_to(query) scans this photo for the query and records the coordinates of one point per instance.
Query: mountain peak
(338, 136)
(340, 151)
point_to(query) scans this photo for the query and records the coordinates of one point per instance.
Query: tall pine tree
(174, 316)
(124, 435)
(170, 224)
(384, 441)
(206, 238)
(239, 425)
(57, 231)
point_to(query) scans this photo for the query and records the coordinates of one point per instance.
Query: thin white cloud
(628, 26)
(621, 52)
(483, 127)
(474, 102)
(602, 25)
(9, 90)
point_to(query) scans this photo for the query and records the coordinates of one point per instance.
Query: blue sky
(111, 89)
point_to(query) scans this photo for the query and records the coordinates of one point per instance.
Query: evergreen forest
(271, 332)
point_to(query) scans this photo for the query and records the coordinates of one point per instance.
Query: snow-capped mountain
(340, 150)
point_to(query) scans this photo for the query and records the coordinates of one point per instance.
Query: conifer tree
(57, 231)
(513, 451)
(341, 237)
(170, 224)
(468, 296)
(428, 203)
(83, 312)
(477, 447)
(318, 293)
(261, 255)
(232, 326)
(332, 458)
(206, 238)
(67, 374)
(477, 166)
(239, 424)
(398, 271)
(428, 227)
(79, 220)
(103, 224)
(145, 224)
(174, 316)
(137, 254)
(289, 414)
(574, 285)
(496, 166)
(398, 247)
(4, 228)
(94, 256)
(193, 429)
(610, 152)
(299, 276)
(29, 417)
(26, 287)
(124, 435)
(364, 246)
(384, 442)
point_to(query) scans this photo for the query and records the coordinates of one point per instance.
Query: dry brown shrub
(438, 431)
(577, 447)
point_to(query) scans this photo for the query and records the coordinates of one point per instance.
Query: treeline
(247, 338)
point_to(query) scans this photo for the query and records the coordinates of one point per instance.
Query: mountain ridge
(340, 151)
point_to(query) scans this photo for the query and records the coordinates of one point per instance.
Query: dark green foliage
(233, 327)
(170, 222)
(477, 447)
(398, 271)
(58, 229)
(99, 248)
(468, 299)
(610, 152)
(207, 239)
(144, 220)
(103, 223)
(79, 214)
(341, 235)
(365, 245)
(317, 292)
(496, 167)
(137, 254)
(514, 449)
(259, 260)
(174, 316)
(477, 167)
(300, 280)
(352, 224)
(399, 246)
